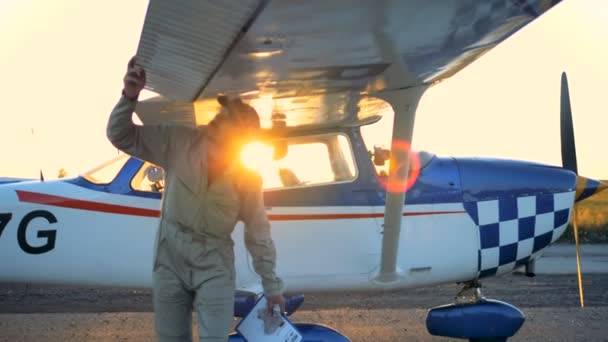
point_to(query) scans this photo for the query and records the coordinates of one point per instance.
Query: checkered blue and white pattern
(513, 230)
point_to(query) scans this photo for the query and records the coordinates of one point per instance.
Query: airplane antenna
(41, 174)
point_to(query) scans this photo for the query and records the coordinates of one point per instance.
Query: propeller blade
(567, 129)
(578, 257)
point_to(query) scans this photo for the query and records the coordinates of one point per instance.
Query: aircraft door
(323, 224)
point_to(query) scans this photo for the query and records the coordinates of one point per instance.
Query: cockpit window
(283, 163)
(425, 158)
(105, 173)
(150, 178)
(302, 161)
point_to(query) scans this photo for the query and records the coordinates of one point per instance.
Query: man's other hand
(272, 300)
(134, 80)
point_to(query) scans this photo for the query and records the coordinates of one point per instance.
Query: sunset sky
(62, 63)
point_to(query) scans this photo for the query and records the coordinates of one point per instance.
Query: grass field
(592, 220)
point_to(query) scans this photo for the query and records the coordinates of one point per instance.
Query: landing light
(264, 54)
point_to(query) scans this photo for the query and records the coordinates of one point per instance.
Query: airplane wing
(314, 62)
(320, 63)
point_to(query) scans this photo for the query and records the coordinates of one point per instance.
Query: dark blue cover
(484, 319)
(310, 333)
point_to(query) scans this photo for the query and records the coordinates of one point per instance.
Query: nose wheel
(470, 294)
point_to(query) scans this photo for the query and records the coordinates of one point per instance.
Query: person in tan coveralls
(207, 192)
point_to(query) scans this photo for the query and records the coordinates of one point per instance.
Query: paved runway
(550, 301)
(561, 259)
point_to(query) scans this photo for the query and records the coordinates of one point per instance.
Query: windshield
(106, 172)
(377, 138)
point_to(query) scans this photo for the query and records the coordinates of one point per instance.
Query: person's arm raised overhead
(149, 143)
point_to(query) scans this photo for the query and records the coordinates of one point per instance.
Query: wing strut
(404, 103)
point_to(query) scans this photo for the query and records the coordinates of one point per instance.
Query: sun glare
(264, 106)
(391, 183)
(257, 156)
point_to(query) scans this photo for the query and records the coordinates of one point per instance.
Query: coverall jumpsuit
(194, 255)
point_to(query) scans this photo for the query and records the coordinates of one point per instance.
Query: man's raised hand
(134, 80)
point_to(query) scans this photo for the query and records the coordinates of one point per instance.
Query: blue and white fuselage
(463, 219)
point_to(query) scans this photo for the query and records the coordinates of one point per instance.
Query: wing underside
(314, 62)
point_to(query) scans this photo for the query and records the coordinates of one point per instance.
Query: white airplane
(317, 71)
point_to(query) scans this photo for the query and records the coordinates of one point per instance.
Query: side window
(306, 163)
(302, 161)
(150, 178)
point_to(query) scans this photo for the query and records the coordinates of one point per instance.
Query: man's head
(236, 124)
